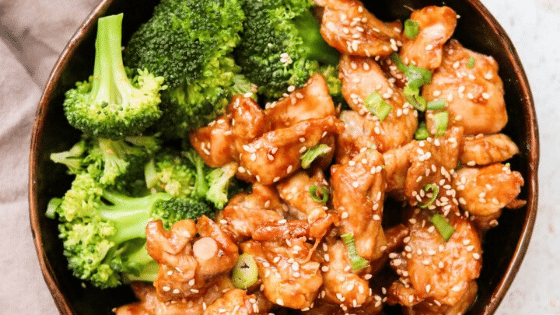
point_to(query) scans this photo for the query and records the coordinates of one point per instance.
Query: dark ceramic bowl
(504, 246)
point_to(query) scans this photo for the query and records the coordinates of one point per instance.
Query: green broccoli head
(104, 232)
(189, 43)
(73, 158)
(281, 45)
(111, 104)
(175, 209)
(219, 184)
(120, 163)
(172, 172)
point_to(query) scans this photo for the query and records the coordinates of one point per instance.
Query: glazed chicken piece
(342, 285)
(483, 192)
(427, 307)
(397, 163)
(435, 27)
(295, 191)
(358, 195)
(322, 308)
(246, 211)
(215, 143)
(288, 269)
(279, 230)
(312, 101)
(150, 304)
(347, 26)
(358, 135)
(277, 154)
(361, 77)
(485, 150)
(189, 264)
(395, 241)
(432, 162)
(474, 96)
(432, 269)
(235, 301)
(221, 141)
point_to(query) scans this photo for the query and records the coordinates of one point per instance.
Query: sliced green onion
(459, 165)
(470, 62)
(444, 228)
(418, 75)
(421, 132)
(376, 105)
(412, 96)
(310, 155)
(319, 193)
(434, 189)
(245, 272)
(410, 29)
(436, 104)
(441, 120)
(398, 61)
(356, 260)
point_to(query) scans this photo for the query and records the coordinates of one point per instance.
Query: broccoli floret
(175, 209)
(172, 172)
(73, 158)
(335, 85)
(200, 185)
(219, 184)
(110, 104)
(103, 231)
(118, 164)
(281, 45)
(189, 43)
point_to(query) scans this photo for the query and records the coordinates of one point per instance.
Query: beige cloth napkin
(32, 35)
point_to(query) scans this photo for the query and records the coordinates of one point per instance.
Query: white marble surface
(34, 32)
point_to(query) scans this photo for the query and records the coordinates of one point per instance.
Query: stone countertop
(34, 32)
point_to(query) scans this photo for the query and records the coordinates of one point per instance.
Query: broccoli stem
(110, 82)
(129, 215)
(317, 49)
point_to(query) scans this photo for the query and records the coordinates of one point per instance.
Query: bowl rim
(531, 183)
(48, 273)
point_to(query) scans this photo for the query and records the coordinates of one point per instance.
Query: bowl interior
(504, 246)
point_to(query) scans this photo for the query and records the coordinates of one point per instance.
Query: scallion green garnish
(470, 62)
(412, 95)
(444, 228)
(410, 29)
(245, 272)
(319, 193)
(376, 105)
(421, 132)
(436, 104)
(398, 61)
(356, 260)
(434, 190)
(441, 120)
(310, 155)
(418, 76)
